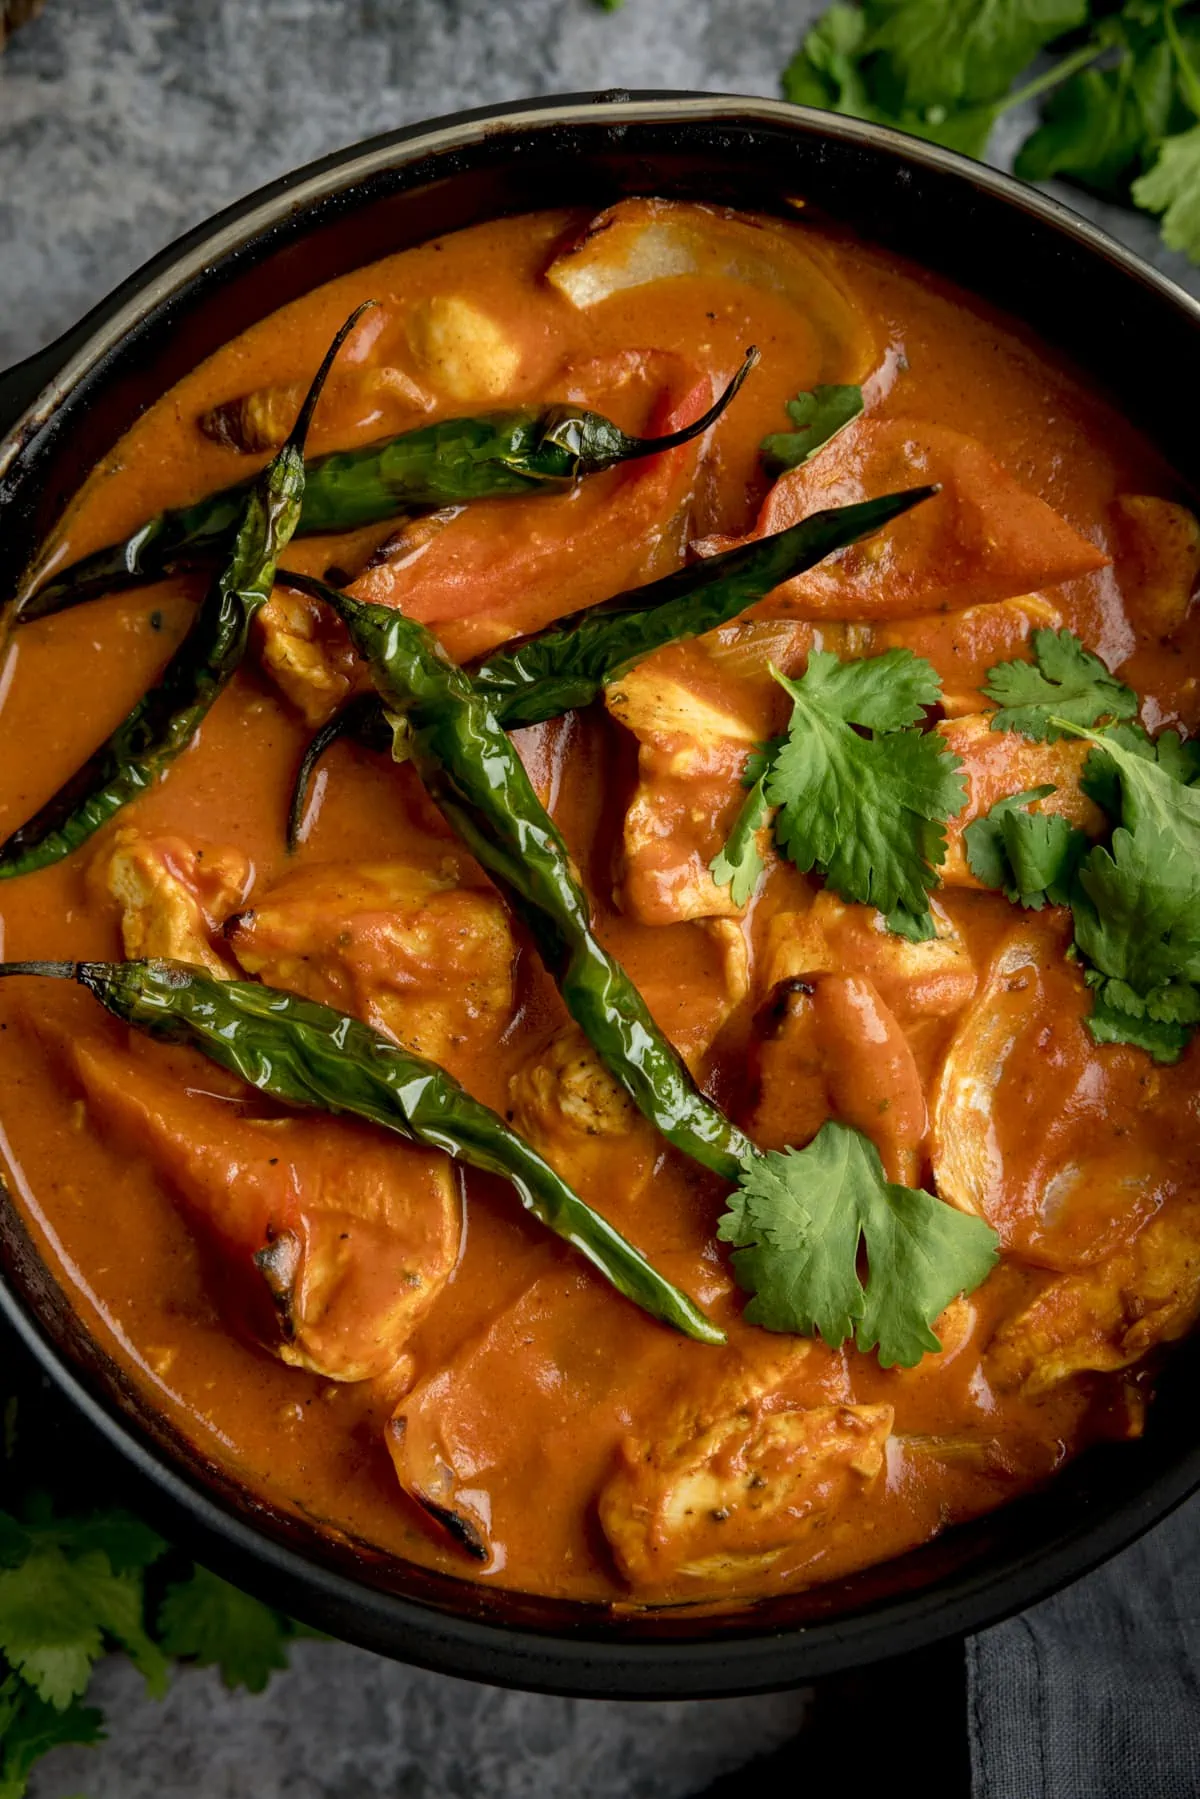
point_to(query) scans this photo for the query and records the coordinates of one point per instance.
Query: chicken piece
(567, 1104)
(174, 896)
(1109, 1316)
(412, 953)
(914, 980)
(828, 1047)
(996, 763)
(1064, 1145)
(335, 1239)
(693, 742)
(543, 1395)
(983, 538)
(307, 654)
(965, 645)
(356, 398)
(1157, 551)
(462, 352)
(720, 1491)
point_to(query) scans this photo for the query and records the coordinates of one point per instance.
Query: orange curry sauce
(594, 1451)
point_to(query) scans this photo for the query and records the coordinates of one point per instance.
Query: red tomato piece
(983, 538)
(500, 568)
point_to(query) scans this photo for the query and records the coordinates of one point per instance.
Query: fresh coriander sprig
(817, 418)
(75, 1582)
(1063, 679)
(1031, 857)
(739, 863)
(859, 795)
(1137, 902)
(797, 1221)
(1123, 99)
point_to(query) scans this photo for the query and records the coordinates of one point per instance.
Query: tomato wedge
(500, 568)
(984, 537)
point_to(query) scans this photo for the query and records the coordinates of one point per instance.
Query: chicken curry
(643, 884)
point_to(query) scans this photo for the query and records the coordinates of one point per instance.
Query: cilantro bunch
(77, 1579)
(1136, 898)
(1122, 113)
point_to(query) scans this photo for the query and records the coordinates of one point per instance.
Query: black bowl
(1124, 325)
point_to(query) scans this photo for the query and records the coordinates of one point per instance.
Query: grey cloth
(123, 123)
(1096, 1693)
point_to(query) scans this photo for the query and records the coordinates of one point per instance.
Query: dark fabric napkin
(1096, 1693)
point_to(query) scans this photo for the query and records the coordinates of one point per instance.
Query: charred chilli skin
(444, 464)
(166, 719)
(569, 664)
(308, 1055)
(474, 776)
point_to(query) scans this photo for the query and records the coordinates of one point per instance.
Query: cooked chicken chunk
(347, 1235)
(307, 655)
(475, 1466)
(567, 1104)
(723, 1489)
(996, 763)
(1106, 1317)
(1157, 547)
(462, 352)
(915, 980)
(354, 400)
(174, 896)
(1064, 1151)
(412, 953)
(692, 750)
(828, 1047)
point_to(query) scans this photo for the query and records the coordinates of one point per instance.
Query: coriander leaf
(207, 1619)
(1140, 924)
(1165, 1042)
(129, 1544)
(739, 864)
(832, 69)
(949, 53)
(55, 1612)
(1101, 126)
(1152, 795)
(1044, 851)
(817, 416)
(1172, 187)
(983, 838)
(1030, 857)
(1176, 757)
(30, 1728)
(1063, 679)
(917, 927)
(868, 811)
(797, 1221)
(1137, 908)
(825, 70)
(966, 129)
(880, 693)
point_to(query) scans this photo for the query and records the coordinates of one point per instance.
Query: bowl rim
(454, 1642)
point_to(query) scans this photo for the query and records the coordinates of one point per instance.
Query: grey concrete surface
(122, 123)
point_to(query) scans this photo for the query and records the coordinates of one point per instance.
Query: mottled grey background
(122, 123)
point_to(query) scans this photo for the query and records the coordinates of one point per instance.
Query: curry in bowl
(601, 890)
